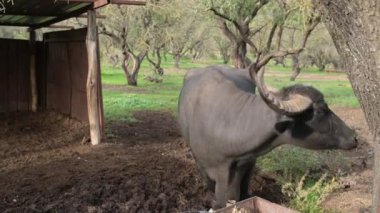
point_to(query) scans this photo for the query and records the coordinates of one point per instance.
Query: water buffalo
(228, 125)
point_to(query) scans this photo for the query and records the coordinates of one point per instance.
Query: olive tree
(124, 26)
(320, 51)
(354, 26)
(188, 30)
(255, 23)
(234, 19)
(223, 46)
(161, 17)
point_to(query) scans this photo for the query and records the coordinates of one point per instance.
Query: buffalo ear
(284, 123)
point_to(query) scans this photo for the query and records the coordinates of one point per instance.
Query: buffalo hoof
(230, 202)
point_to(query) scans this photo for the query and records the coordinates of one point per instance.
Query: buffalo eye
(319, 112)
(307, 115)
(321, 108)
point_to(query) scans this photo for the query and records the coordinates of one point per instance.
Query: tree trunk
(156, 65)
(132, 79)
(239, 55)
(226, 58)
(114, 60)
(355, 28)
(177, 59)
(239, 46)
(194, 55)
(165, 56)
(321, 67)
(224, 53)
(295, 67)
(280, 60)
(131, 74)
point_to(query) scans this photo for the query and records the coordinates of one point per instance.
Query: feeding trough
(255, 205)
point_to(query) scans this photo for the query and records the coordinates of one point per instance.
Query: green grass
(120, 106)
(120, 103)
(337, 92)
(164, 96)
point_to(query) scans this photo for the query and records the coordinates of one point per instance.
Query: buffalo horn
(296, 104)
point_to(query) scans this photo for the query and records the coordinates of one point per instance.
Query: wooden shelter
(59, 73)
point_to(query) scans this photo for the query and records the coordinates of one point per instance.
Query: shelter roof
(42, 13)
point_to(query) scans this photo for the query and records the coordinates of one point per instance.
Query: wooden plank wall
(15, 92)
(62, 68)
(67, 68)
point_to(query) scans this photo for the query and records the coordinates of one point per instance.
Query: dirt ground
(47, 165)
(355, 192)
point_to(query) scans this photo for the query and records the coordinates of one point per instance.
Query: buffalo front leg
(209, 182)
(221, 187)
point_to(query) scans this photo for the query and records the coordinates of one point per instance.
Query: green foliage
(305, 7)
(320, 50)
(307, 195)
(121, 19)
(300, 172)
(13, 32)
(188, 28)
(233, 9)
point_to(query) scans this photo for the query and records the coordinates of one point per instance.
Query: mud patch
(144, 167)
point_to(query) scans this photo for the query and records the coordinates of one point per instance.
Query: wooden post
(93, 99)
(33, 71)
(100, 94)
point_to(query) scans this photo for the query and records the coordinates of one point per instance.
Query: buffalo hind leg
(244, 186)
(239, 180)
(231, 182)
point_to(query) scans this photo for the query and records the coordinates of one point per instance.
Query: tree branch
(103, 30)
(226, 31)
(247, 39)
(313, 22)
(142, 54)
(217, 13)
(156, 51)
(255, 10)
(255, 31)
(279, 36)
(225, 17)
(270, 37)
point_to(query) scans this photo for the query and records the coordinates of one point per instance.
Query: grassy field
(164, 96)
(306, 190)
